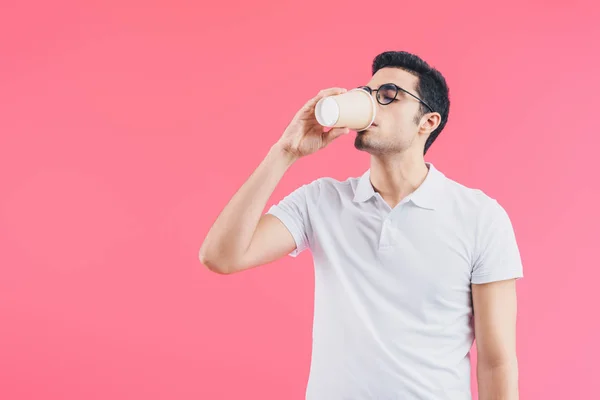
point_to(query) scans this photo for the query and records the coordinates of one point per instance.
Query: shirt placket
(386, 236)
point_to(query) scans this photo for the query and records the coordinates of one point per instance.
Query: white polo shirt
(393, 309)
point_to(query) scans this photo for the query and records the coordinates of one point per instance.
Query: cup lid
(327, 111)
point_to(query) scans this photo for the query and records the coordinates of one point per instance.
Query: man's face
(394, 129)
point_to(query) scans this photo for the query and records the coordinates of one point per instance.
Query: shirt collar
(426, 196)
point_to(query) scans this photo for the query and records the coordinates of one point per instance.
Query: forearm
(498, 381)
(232, 231)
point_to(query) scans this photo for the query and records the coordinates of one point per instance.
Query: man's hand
(304, 135)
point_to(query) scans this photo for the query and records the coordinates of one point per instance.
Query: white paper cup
(354, 109)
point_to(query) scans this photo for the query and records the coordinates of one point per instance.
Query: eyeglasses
(388, 92)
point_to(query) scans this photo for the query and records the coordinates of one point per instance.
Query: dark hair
(431, 87)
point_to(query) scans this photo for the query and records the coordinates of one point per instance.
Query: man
(410, 266)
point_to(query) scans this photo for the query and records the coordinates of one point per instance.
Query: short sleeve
(292, 211)
(497, 255)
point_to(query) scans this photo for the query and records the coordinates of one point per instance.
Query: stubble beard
(371, 145)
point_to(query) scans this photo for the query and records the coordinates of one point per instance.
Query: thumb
(335, 133)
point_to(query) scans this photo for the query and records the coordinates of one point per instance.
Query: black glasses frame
(398, 89)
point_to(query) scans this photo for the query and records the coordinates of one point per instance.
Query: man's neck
(396, 176)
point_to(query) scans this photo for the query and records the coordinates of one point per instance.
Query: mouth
(374, 124)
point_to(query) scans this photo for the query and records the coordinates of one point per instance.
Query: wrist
(281, 154)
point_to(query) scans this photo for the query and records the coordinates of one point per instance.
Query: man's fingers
(324, 93)
(335, 133)
(331, 92)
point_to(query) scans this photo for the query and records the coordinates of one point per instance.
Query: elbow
(499, 361)
(214, 264)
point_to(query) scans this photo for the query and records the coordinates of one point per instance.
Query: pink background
(126, 126)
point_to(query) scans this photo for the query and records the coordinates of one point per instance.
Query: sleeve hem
(489, 278)
(292, 227)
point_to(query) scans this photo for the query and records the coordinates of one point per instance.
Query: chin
(360, 142)
(371, 144)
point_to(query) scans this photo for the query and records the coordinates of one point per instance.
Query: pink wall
(127, 125)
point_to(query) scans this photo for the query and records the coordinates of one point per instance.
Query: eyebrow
(400, 92)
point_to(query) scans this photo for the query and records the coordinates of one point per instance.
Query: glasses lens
(386, 93)
(365, 88)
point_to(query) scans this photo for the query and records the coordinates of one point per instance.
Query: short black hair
(431, 87)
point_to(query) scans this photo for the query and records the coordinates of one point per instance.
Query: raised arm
(242, 237)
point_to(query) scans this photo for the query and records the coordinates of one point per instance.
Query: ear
(429, 122)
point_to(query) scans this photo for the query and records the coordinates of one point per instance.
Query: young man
(410, 266)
